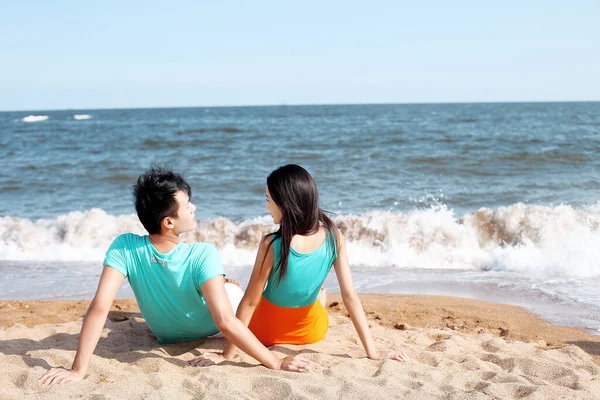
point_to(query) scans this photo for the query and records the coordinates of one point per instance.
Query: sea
(498, 202)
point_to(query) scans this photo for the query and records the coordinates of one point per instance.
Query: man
(179, 287)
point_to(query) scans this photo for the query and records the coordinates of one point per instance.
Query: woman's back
(309, 262)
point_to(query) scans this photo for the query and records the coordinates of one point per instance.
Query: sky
(115, 54)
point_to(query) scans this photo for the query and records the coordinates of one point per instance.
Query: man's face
(186, 219)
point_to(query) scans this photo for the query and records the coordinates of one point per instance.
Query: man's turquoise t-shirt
(167, 286)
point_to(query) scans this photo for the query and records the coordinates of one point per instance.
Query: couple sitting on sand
(181, 290)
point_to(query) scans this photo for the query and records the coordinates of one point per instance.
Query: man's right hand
(58, 376)
(296, 364)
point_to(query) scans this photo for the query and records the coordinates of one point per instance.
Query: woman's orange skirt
(272, 324)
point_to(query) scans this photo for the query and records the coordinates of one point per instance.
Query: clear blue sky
(81, 54)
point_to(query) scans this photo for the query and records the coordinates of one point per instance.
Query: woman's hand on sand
(58, 376)
(207, 359)
(296, 364)
(290, 363)
(390, 355)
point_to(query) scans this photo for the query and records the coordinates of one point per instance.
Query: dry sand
(460, 349)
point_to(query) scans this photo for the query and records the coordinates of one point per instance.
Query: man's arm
(110, 282)
(262, 268)
(239, 334)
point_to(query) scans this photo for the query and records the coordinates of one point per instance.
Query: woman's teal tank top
(305, 275)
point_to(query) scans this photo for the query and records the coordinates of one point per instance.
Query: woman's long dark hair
(295, 193)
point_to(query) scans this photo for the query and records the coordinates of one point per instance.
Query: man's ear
(168, 222)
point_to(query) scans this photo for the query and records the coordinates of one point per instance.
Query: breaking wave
(35, 118)
(533, 239)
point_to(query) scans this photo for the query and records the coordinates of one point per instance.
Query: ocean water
(490, 201)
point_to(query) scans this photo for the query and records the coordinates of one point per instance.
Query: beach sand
(459, 349)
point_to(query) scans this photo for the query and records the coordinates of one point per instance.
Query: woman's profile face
(273, 208)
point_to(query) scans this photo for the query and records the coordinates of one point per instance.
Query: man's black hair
(154, 195)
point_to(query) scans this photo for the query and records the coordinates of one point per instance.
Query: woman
(293, 264)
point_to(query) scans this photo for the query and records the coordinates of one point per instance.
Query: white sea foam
(35, 118)
(537, 240)
(80, 117)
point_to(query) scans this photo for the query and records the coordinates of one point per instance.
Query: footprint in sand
(270, 388)
(492, 346)
(439, 336)
(487, 375)
(21, 379)
(415, 385)
(427, 359)
(524, 391)
(193, 388)
(477, 386)
(438, 346)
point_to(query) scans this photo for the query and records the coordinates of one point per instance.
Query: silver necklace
(156, 260)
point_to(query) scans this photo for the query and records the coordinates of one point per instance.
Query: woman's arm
(262, 268)
(354, 306)
(236, 332)
(110, 282)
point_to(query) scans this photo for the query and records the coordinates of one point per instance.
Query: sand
(459, 349)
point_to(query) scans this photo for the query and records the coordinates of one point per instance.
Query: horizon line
(300, 105)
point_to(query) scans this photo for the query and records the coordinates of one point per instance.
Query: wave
(463, 121)
(226, 129)
(35, 118)
(80, 117)
(553, 156)
(532, 239)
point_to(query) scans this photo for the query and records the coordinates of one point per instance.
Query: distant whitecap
(35, 118)
(80, 117)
